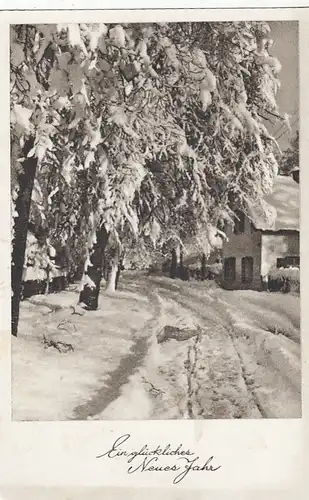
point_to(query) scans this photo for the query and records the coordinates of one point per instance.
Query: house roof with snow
(283, 206)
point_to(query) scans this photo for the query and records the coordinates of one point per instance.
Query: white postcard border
(255, 455)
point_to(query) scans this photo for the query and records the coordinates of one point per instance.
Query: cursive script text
(146, 459)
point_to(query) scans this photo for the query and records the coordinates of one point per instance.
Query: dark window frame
(244, 277)
(230, 269)
(288, 261)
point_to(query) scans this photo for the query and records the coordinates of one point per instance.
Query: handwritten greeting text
(181, 460)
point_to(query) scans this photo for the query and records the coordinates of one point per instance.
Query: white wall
(278, 245)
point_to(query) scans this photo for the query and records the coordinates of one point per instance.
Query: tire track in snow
(265, 405)
(182, 298)
(245, 375)
(263, 380)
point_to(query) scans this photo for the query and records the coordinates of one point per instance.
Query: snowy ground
(244, 362)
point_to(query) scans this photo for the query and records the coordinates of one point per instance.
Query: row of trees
(135, 136)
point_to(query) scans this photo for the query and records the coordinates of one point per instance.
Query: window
(229, 268)
(246, 269)
(290, 261)
(239, 223)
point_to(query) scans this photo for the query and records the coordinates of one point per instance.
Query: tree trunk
(173, 270)
(48, 269)
(105, 267)
(90, 295)
(114, 273)
(176, 264)
(203, 267)
(181, 270)
(111, 282)
(120, 268)
(23, 203)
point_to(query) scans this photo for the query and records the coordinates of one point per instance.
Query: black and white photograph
(155, 221)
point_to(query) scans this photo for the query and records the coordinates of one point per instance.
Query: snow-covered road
(243, 362)
(230, 370)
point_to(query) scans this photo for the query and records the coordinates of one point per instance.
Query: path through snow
(226, 372)
(244, 363)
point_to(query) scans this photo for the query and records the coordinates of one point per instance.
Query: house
(253, 246)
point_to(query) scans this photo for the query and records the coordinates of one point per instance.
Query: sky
(285, 48)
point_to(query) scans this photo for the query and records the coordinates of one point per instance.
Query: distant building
(254, 247)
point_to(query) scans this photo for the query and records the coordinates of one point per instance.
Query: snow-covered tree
(220, 83)
(123, 132)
